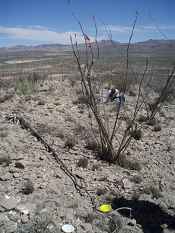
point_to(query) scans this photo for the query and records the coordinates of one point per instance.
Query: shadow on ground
(149, 215)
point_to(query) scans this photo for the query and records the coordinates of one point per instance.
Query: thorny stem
(127, 53)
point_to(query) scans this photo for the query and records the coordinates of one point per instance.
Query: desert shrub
(29, 84)
(152, 122)
(165, 93)
(101, 191)
(24, 87)
(153, 190)
(133, 164)
(83, 162)
(137, 179)
(136, 134)
(107, 129)
(70, 142)
(79, 129)
(59, 133)
(95, 167)
(91, 144)
(40, 223)
(157, 128)
(28, 187)
(142, 119)
(6, 97)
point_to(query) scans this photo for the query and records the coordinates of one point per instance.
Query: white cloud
(140, 28)
(40, 34)
(116, 28)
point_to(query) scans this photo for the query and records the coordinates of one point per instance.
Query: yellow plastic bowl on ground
(105, 208)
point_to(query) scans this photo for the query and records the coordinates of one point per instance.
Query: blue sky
(29, 22)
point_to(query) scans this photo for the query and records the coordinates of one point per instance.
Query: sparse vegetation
(91, 145)
(29, 84)
(153, 190)
(127, 163)
(40, 223)
(154, 106)
(157, 128)
(28, 187)
(6, 97)
(106, 133)
(136, 134)
(106, 150)
(83, 162)
(70, 142)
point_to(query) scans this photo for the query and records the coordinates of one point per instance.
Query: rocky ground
(34, 188)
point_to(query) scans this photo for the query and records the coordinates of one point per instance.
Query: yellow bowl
(105, 208)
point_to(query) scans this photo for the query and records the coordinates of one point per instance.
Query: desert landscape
(87, 116)
(51, 173)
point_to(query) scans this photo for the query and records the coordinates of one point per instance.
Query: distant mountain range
(149, 44)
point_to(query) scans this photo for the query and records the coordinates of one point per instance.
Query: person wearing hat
(115, 95)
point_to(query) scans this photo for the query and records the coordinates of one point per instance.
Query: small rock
(157, 128)
(57, 103)
(13, 170)
(9, 203)
(52, 227)
(41, 102)
(19, 165)
(16, 175)
(41, 158)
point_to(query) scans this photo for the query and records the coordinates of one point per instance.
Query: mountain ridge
(102, 42)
